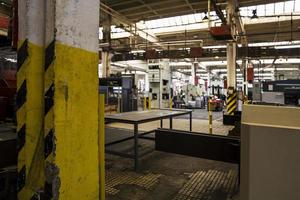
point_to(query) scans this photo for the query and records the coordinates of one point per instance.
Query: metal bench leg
(191, 121)
(136, 147)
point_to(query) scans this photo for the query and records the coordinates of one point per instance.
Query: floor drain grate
(209, 185)
(114, 179)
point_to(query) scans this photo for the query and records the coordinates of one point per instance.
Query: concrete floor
(165, 176)
(203, 114)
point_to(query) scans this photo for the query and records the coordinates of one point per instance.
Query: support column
(71, 100)
(106, 61)
(105, 54)
(208, 81)
(30, 101)
(245, 81)
(194, 65)
(231, 65)
(231, 103)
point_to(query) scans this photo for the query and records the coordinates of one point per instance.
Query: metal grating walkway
(209, 185)
(114, 179)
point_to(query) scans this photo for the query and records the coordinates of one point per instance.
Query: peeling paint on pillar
(52, 176)
(30, 74)
(72, 168)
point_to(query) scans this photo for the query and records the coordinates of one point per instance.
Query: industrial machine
(256, 92)
(159, 83)
(192, 96)
(120, 95)
(282, 92)
(216, 90)
(216, 104)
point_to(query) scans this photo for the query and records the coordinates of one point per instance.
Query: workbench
(139, 117)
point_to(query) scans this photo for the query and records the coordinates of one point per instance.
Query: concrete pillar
(231, 47)
(229, 16)
(231, 65)
(30, 99)
(105, 54)
(245, 83)
(71, 100)
(194, 69)
(208, 82)
(106, 61)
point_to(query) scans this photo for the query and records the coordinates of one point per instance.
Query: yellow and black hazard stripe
(21, 113)
(231, 103)
(51, 172)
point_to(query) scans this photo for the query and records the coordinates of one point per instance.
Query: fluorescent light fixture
(11, 60)
(265, 44)
(180, 64)
(263, 61)
(214, 47)
(287, 47)
(137, 51)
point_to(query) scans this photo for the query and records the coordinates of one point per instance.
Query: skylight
(279, 8)
(196, 22)
(271, 9)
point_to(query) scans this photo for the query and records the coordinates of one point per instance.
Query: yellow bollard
(171, 103)
(101, 147)
(149, 103)
(209, 117)
(145, 103)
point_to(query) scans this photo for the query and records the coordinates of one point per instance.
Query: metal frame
(242, 52)
(207, 146)
(201, 145)
(136, 135)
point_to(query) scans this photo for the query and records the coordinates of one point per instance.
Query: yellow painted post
(30, 101)
(71, 90)
(21, 102)
(149, 103)
(145, 103)
(171, 104)
(210, 116)
(101, 147)
(231, 103)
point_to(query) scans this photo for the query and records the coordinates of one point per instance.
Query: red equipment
(222, 32)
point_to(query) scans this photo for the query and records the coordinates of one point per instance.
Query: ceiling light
(205, 17)
(254, 14)
(287, 47)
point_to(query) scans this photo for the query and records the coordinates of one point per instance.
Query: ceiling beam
(150, 8)
(218, 11)
(157, 6)
(189, 5)
(133, 28)
(170, 11)
(121, 3)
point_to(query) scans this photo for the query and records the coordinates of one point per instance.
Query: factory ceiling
(270, 27)
(137, 10)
